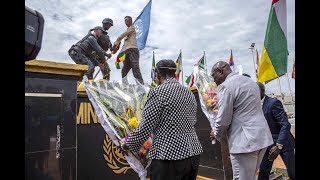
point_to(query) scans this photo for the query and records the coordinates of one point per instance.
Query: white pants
(246, 165)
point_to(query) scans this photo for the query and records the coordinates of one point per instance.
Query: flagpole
(280, 90)
(254, 64)
(181, 69)
(142, 11)
(290, 87)
(232, 61)
(205, 60)
(257, 63)
(152, 72)
(290, 90)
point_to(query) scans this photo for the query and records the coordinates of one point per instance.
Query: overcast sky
(212, 26)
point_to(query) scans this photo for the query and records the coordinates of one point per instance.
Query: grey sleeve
(225, 112)
(94, 44)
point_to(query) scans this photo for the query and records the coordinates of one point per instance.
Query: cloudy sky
(212, 26)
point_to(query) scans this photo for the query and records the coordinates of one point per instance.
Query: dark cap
(166, 67)
(107, 20)
(100, 28)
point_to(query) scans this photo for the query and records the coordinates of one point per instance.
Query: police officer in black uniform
(81, 52)
(107, 23)
(105, 43)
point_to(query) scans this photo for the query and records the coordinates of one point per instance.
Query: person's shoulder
(169, 86)
(230, 81)
(132, 29)
(272, 100)
(224, 87)
(104, 36)
(242, 78)
(164, 86)
(231, 78)
(185, 89)
(92, 38)
(276, 101)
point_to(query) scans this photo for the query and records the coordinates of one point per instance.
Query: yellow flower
(133, 122)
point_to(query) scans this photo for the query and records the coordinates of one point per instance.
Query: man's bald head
(220, 71)
(221, 64)
(262, 89)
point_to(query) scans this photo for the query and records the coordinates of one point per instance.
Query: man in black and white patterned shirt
(170, 114)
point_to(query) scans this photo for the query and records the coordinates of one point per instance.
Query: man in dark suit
(284, 142)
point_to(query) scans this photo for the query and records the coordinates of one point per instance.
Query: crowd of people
(256, 126)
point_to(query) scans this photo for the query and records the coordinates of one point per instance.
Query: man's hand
(106, 54)
(101, 65)
(115, 48)
(212, 136)
(124, 148)
(273, 153)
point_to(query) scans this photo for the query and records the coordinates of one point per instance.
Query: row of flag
(190, 79)
(274, 59)
(202, 65)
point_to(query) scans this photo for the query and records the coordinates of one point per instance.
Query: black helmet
(107, 20)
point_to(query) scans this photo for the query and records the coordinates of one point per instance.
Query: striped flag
(231, 63)
(153, 73)
(201, 62)
(274, 58)
(121, 57)
(190, 80)
(179, 66)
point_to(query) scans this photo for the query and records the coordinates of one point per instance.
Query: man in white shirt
(131, 50)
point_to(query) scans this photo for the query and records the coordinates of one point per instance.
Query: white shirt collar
(262, 100)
